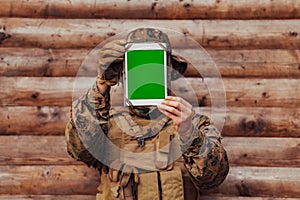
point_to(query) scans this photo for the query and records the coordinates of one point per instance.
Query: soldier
(173, 126)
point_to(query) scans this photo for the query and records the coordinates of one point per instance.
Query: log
(267, 152)
(261, 63)
(85, 33)
(239, 121)
(34, 91)
(47, 197)
(76, 180)
(242, 151)
(50, 180)
(42, 62)
(35, 150)
(260, 182)
(38, 120)
(243, 198)
(141, 9)
(92, 197)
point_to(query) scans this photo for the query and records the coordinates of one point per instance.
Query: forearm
(205, 158)
(88, 125)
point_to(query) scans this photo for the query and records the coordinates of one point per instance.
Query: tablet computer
(145, 74)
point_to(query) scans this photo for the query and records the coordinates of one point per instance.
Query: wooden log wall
(255, 45)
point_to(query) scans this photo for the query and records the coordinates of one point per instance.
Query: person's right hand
(110, 62)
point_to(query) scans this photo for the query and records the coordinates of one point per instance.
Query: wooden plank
(32, 91)
(35, 150)
(260, 182)
(50, 180)
(87, 33)
(42, 62)
(38, 120)
(79, 180)
(242, 151)
(171, 9)
(260, 121)
(92, 197)
(243, 198)
(262, 63)
(268, 152)
(239, 121)
(47, 197)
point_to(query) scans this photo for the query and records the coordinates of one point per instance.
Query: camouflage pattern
(88, 121)
(205, 159)
(110, 61)
(111, 56)
(141, 35)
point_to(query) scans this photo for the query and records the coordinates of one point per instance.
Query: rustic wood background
(255, 44)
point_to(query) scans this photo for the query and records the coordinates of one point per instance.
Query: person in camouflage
(93, 124)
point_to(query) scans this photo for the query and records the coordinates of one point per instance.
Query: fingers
(180, 100)
(176, 108)
(169, 110)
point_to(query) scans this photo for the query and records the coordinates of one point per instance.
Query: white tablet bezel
(144, 46)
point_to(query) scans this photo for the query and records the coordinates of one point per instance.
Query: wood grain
(33, 91)
(88, 33)
(79, 180)
(92, 197)
(239, 121)
(49, 197)
(259, 182)
(137, 9)
(263, 63)
(242, 151)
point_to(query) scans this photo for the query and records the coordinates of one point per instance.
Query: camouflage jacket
(204, 157)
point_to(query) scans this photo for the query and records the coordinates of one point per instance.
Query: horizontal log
(260, 182)
(50, 180)
(78, 180)
(47, 197)
(263, 63)
(153, 10)
(88, 33)
(242, 198)
(35, 150)
(239, 121)
(92, 197)
(38, 120)
(242, 151)
(268, 152)
(34, 91)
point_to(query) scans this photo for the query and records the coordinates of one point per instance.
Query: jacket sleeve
(88, 126)
(204, 156)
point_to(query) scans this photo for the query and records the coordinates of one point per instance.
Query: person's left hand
(181, 112)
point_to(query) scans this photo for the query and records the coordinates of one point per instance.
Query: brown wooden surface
(260, 182)
(264, 63)
(240, 121)
(203, 197)
(242, 151)
(58, 180)
(77, 180)
(49, 197)
(92, 197)
(42, 45)
(159, 9)
(87, 33)
(35, 91)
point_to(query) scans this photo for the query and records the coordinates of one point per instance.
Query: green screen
(145, 74)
